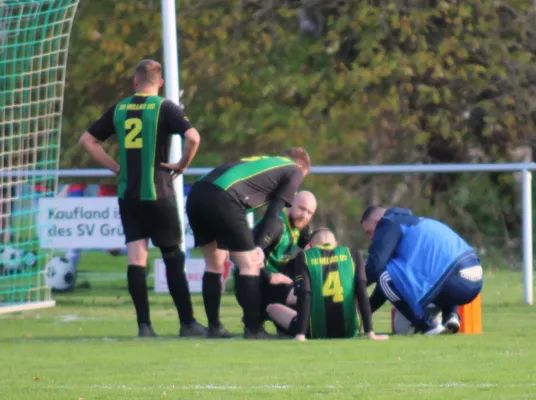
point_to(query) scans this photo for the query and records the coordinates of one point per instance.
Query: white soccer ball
(401, 326)
(9, 259)
(60, 274)
(28, 260)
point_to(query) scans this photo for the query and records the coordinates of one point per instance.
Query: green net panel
(34, 40)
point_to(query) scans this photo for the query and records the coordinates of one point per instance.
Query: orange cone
(471, 317)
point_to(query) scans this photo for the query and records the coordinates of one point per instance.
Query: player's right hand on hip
(373, 336)
(175, 169)
(280, 279)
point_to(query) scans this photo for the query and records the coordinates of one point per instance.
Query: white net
(34, 41)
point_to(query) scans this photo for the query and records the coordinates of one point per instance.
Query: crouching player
(418, 263)
(328, 281)
(289, 234)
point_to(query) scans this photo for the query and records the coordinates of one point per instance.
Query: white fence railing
(526, 184)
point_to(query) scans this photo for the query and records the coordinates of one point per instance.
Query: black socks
(212, 297)
(137, 287)
(178, 285)
(248, 294)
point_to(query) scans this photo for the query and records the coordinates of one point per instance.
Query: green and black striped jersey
(143, 125)
(254, 181)
(331, 275)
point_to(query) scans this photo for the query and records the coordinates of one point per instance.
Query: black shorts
(157, 220)
(274, 294)
(214, 215)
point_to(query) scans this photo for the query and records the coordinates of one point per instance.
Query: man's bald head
(323, 236)
(370, 218)
(302, 210)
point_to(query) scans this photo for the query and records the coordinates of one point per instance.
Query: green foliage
(384, 83)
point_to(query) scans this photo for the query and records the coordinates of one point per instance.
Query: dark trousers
(455, 291)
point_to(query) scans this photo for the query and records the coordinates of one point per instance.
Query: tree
(355, 82)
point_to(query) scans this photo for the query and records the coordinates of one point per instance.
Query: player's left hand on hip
(280, 279)
(373, 336)
(175, 169)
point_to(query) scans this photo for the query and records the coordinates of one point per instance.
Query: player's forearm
(97, 153)
(191, 144)
(270, 225)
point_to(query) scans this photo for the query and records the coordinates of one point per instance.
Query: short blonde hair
(148, 72)
(321, 234)
(300, 156)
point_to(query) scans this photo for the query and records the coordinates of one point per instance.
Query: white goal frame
(526, 192)
(172, 88)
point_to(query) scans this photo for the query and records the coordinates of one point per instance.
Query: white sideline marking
(73, 339)
(293, 387)
(465, 385)
(69, 318)
(38, 305)
(196, 387)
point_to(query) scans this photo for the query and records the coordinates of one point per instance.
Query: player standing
(329, 280)
(143, 124)
(217, 206)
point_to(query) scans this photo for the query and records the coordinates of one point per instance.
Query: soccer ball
(28, 260)
(60, 274)
(9, 260)
(401, 326)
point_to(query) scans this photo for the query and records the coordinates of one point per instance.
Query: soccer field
(86, 348)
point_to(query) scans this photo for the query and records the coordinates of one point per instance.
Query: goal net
(34, 40)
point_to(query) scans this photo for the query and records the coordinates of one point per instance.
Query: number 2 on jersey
(332, 287)
(133, 128)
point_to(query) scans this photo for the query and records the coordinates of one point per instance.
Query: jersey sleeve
(302, 288)
(290, 186)
(384, 244)
(268, 239)
(289, 268)
(359, 263)
(305, 237)
(360, 289)
(176, 122)
(302, 280)
(104, 127)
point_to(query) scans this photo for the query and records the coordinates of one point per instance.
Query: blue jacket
(418, 253)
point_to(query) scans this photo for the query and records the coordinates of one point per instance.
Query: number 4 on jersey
(332, 287)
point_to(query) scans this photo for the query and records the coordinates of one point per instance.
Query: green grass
(86, 348)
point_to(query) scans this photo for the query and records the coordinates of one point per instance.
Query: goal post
(526, 170)
(34, 42)
(172, 92)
